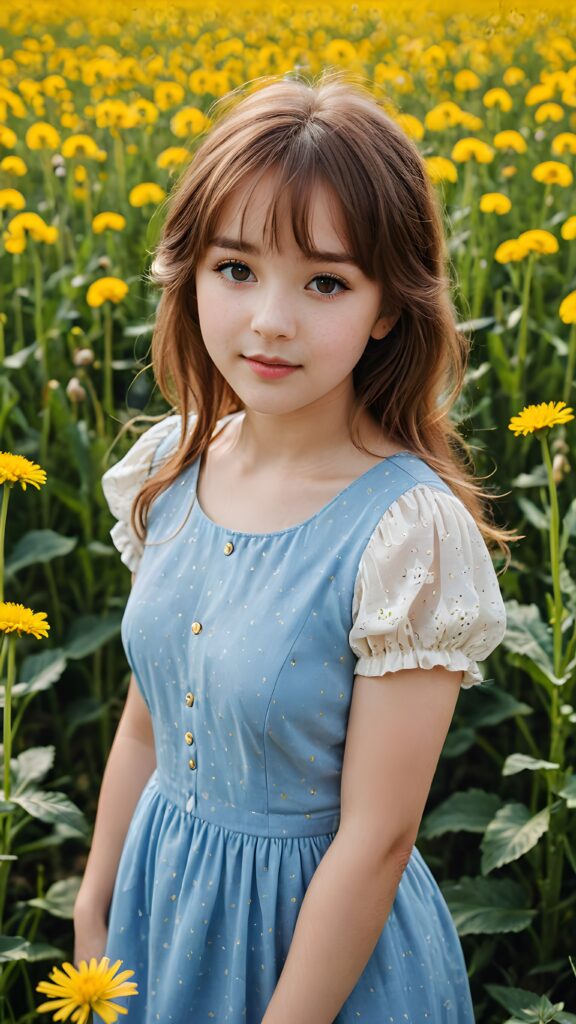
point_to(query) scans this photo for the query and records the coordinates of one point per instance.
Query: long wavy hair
(336, 133)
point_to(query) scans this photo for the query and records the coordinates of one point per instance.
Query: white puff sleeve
(122, 482)
(426, 592)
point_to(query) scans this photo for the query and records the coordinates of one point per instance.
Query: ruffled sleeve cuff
(122, 482)
(426, 593)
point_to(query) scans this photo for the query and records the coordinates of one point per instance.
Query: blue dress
(240, 643)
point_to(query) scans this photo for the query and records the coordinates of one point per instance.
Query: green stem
(108, 389)
(569, 381)
(3, 516)
(523, 334)
(38, 319)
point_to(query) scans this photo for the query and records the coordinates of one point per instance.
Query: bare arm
(396, 730)
(131, 761)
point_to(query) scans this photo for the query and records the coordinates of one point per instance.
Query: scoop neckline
(297, 526)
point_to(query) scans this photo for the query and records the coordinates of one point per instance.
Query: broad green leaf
(82, 711)
(469, 811)
(37, 951)
(40, 671)
(90, 632)
(511, 833)
(537, 477)
(60, 898)
(491, 705)
(528, 637)
(51, 807)
(487, 906)
(477, 325)
(458, 742)
(13, 947)
(568, 792)
(500, 359)
(525, 1005)
(38, 546)
(515, 763)
(536, 517)
(31, 766)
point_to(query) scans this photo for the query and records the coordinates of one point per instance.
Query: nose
(273, 315)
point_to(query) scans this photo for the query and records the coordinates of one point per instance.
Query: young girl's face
(316, 314)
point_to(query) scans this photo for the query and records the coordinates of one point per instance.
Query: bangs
(296, 177)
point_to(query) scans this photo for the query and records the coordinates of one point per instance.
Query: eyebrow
(316, 254)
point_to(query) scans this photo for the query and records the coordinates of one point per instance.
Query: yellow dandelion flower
(168, 94)
(538, 240)
(14, 165)
(7, 137)
(29, 223)
(443, 115)
(511, 251)
(146, 192)
(465, 80)
(568, 229)
(18, 469)
(498, 98)
(106, 289)
(80, 174)
(549, 112)
(11, 199)
(188, 121)
(471, 122)
(472, 148)
(565, 142)
(567, 309)
(510, 139)
(16, 618)
(200, 81)
(513, 75)
(553, 172)
(495, 202)
(538, 94)
(108, 221)
(540, 417)
(91, 987)
(172, 157)
(80, 146)
(411, 126)
(340, 51)
(42, 136)
(508, 171)
(440, 169)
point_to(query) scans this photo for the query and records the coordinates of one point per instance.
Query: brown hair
(334, 132)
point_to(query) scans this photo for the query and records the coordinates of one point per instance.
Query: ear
(383, 326)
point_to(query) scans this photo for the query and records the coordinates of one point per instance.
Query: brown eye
(238, 267)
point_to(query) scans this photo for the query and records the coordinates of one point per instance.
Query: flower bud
(83, 357)
(104, 262)
(75, 391)
(53, 384)
(560, 467)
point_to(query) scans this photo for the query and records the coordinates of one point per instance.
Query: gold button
(196, 627)
(191, 763)
(228, 548)
(189, 699)
(189, 738)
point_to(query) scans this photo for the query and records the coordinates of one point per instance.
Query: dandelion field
(100, 109)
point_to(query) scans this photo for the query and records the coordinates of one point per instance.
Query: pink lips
(270, 371)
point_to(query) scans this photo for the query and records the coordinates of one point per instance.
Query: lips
(270, 362)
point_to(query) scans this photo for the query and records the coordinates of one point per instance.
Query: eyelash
(240, 263)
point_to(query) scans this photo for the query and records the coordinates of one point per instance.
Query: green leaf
(60, 898)
(568, 792)
(530, 639)
(525, 1005)
(477, 325)
(491, 705)
(469, 811)
(13, 947)
(568, 527)
(31, 766)
(458, 742)
(38, 546)
(515, 763)
(52, 807)
(82, 711)
(536, 517)
(510, 834)
(500, 360)
(487, 906)
(90, 632)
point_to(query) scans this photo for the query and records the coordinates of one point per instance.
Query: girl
(311, 589)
